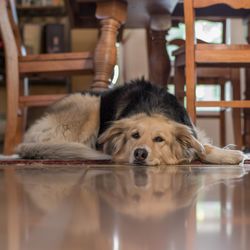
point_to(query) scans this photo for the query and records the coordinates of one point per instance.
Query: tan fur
(68, 131)
(222, 155)
(80, 123)
(209, 149)
(70, 128)
(179, 145)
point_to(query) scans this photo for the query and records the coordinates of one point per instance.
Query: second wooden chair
(215, 55)
(19, 66)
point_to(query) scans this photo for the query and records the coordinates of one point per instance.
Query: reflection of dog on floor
(144, 193)
(137, 123)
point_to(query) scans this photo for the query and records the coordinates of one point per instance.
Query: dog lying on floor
(137, 123)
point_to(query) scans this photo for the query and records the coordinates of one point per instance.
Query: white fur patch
(224, 156)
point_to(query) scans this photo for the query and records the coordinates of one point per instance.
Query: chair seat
(66, 63)
(233, 55)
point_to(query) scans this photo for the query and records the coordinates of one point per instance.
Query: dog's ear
(187, 140)
(113, 138)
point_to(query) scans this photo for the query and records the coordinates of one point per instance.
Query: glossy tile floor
(103, 207)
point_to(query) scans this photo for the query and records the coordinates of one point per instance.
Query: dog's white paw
(223, 156)
(230, 146)
(233, 157)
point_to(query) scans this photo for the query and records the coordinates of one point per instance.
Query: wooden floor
(76, 205)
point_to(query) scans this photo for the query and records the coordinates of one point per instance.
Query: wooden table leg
(112, 14)
(159, 62)
(179, 83)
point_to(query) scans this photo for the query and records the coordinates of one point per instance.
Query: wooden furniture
(220, 10)
(207, 76)
(246, 135)
(112, 14)
(212, 76)
(136, 14)
(139, 12)
(219, 55)
(19, 66)
(41, 11)
(223, 10)
(159, 61)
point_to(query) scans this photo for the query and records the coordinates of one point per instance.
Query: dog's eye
(158, 139)
(136, 135)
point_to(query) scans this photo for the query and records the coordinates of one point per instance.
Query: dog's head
(150, 140)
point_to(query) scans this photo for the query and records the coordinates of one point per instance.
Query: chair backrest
(8, 15)
(236, 4)
(189, 14)
(12, 11)
(8, 37)
(11, 56)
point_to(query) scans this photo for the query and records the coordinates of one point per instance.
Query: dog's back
(140, 96)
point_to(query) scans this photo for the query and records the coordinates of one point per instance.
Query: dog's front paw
(234, 157)
(217, 155)
(230, 146)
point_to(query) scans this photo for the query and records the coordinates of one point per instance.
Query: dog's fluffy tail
(59, 151)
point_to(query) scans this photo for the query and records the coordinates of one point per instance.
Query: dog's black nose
(140, 154)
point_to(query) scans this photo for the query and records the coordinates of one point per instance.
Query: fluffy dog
(137, 123)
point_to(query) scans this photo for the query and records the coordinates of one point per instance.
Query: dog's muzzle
(140, 155)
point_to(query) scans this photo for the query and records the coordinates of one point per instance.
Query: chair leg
(21, 124)
(22, 115)
(191, 79)
(112, 15)
(236, 111)
(222, 117)
(12, 82)
(222, 128)
(11, 113)
(16, 117)
(179, 83)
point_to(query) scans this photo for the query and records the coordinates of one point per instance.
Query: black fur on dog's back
(140, 96)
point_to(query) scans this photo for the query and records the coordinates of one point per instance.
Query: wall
(135, 60)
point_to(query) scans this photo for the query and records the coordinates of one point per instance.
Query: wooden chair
(19, 66)
(215, 55)
(207, 76)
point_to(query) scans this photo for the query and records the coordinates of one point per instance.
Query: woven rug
(14, 160)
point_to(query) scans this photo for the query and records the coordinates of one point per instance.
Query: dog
(136, 123)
